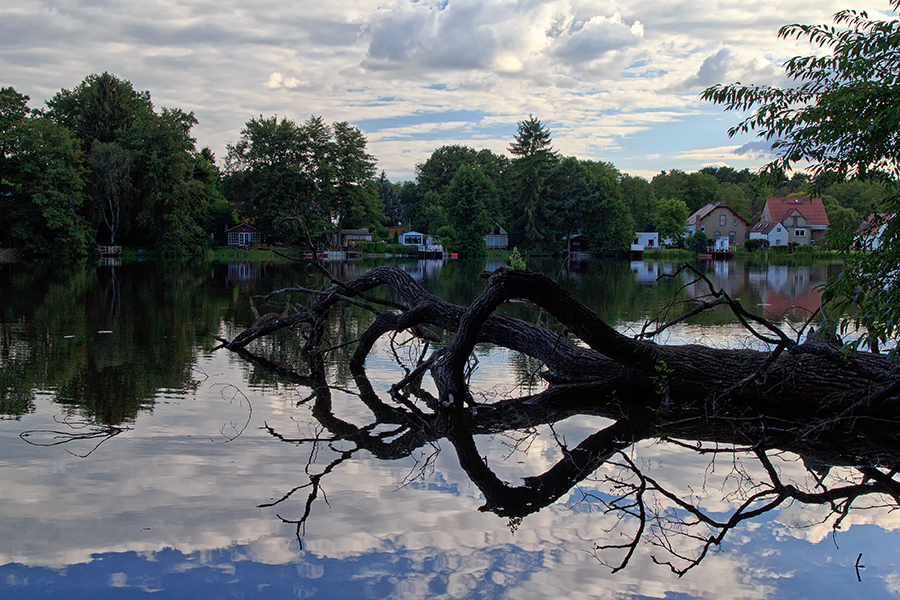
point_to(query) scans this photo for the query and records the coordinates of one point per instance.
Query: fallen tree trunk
(811, 379)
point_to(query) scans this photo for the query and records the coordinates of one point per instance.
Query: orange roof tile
(812, 209)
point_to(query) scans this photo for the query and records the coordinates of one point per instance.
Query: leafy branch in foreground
(841, 120)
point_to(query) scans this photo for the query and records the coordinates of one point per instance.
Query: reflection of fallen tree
(79, 430)
(806, 398)
(686, 533)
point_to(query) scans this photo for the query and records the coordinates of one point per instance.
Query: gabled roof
(706, 209)
(242, 227)
(811, 209)
(764, 227)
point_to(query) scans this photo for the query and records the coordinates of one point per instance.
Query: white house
(775, 233)
(497, 238)
(644, 240)
(425, 243)
(411, 238)
(243, 235)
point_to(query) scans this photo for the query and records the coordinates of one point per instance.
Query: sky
(613, 81)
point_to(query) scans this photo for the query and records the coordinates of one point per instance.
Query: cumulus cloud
(586, 65)
(713, 70)
(596, 38)
(277, 80)
(452, 35)
(503, 37)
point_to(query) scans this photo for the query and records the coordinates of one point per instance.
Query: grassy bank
(669, 255)
(252, 255)
(780, 255)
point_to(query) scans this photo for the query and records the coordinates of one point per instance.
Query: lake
(138, 460)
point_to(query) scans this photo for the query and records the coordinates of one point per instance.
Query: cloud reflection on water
(171, 484)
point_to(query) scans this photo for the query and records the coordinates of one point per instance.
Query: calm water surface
(136, 461)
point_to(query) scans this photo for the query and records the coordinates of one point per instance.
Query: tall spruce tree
(534, 159)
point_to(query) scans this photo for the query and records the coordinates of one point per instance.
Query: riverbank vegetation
(127, 173)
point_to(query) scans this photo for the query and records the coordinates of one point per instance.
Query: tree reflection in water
(774, 456)
(842, 471)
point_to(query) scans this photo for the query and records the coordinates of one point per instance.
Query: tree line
(100, 165)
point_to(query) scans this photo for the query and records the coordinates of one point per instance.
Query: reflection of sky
(171, 505)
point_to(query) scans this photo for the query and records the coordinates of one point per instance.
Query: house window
(800, 233)
(723, 220)
(717, 235)
(735, 221)
(731, 237)
(703, 228)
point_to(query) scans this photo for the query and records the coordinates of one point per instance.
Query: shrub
(401, 249)
(755, 244)
(698, 242)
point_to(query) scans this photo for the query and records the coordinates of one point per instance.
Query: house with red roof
(718, 221)
(804, 219)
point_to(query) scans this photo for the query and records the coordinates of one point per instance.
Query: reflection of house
(645, 272)
(724, 275)
(870, 232)
(792, 291)
(774, 233)
(804, 219)
(423, 269)
(497, 238)
(242, 272)
(718, 221)
(803, 304)
(243, 235)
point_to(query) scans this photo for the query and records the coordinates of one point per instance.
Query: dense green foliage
(842, 118)
(299, 182)
(670, 217)
(100, 165)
